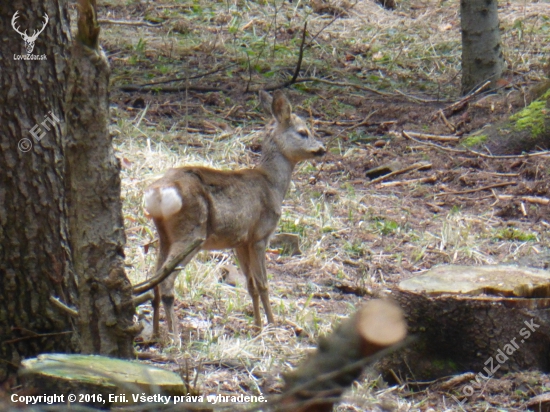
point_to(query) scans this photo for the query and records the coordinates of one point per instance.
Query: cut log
(540, 403)
(95, 380)
(488, 320)
(318, 383)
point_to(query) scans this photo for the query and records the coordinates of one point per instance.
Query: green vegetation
(534, 116)
(474, 140)
(511, 233)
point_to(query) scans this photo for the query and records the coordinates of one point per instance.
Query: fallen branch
(172, 89)
(416, 166)
(179, 79)
(129, 23)
(429, 179)
(473, 152)
(451, 126)
(528, 199)
(462, 102)
(478, 189)
(416, 98)
(166, 269)
(437, 137)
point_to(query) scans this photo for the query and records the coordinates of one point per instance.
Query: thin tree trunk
(96, 224)
(35, 259)
(482, 57)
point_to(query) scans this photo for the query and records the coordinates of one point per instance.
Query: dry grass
(363, 237)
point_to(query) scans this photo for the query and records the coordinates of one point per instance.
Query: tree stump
(489, 320)
(317, 384)
(97, 381)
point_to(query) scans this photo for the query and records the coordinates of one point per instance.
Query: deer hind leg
(243, 255)
(156, 309)
(258, 271)
(167, 286)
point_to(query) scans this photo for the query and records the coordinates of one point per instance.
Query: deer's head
(29, 40)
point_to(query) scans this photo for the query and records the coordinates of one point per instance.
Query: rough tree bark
(35, 259)
(487, 319)
(60, 218)
(96, 225)
(482, 57)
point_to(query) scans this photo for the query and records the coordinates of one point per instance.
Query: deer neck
(276, 167)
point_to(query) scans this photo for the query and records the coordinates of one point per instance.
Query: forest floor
(379, 74)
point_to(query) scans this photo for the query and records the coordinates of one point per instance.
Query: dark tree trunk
(482, 57)
(61, 229)
(35, 258)
(96, 225)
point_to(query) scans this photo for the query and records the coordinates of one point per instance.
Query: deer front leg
(243, 254)
(258, 271)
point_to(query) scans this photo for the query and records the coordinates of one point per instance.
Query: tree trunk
(482, 57)
(61, 229)
(96, 225)
(35, 259)
(524, 131)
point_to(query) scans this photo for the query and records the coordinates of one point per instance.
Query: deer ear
(281, 107)
(266, 101)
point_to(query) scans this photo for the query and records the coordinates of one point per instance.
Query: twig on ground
(417, 99)
(451, 126)
(477, 189)
(416, 166)
(429, 179)
(179, 79)
(406, 135)
(343, 84)
(363, 122)
(473, 152)
(437, 137)
(129, 23)
(528, 199)
(172, 89)
(462, 102)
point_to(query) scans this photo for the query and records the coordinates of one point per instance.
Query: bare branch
(166, 269)
(60, 305)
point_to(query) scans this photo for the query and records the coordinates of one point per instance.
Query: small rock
(289, 243)
(232, 276)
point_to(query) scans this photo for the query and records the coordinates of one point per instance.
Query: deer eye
(303, 134)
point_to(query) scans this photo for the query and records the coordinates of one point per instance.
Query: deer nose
(320, 152)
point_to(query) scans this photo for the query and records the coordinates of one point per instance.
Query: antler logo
(29, 40)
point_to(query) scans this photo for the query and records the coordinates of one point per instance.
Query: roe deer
(230, 209)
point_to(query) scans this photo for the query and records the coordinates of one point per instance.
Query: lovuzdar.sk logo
(29, 40)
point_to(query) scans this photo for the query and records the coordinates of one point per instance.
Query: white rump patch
(162, 202)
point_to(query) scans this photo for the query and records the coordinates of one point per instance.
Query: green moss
(474, 140)
(511, 233)
(444, 364)
(533, 116)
